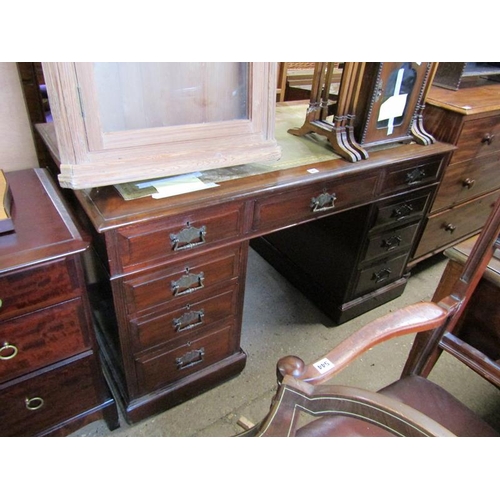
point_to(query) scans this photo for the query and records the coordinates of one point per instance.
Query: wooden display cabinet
(121, 122)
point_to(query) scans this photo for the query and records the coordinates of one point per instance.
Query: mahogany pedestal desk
(51, 382)
(169, 274)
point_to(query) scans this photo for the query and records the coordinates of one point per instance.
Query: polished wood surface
(50, 377)
(470, 119)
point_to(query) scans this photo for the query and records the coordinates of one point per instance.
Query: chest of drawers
(50, 377)
(470, 119)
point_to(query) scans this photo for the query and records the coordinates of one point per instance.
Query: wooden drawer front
(380, 274)
(451, 225)
(479, 137)
(389, 242)
(176, 237)
(153, 330)
(413, 175)
(53, 396)
(307, 203)
(189, 277)
(467, 180)
(36, 287)
(401, 209)
(38, 339)
(193, 355)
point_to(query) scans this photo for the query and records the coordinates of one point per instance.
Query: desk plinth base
(176, 393)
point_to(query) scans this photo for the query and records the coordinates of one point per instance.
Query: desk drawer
(308, 203)
(389, 242)
(467, 180)
(47, 398)
(412, 175)
(189, 277)
(155, 329)
(176, 237)
(36, 287)
(401, 209)
(380, 274)
(451, 225)
(190, 356)
(41, 338)
(478, 138)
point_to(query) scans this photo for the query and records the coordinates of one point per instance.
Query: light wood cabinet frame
(90, 157)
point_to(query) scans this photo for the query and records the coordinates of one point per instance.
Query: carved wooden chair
(411, 406)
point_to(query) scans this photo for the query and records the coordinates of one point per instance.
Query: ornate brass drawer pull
(188, 237)
(190, 359)
(488, 139)
(381, 275)
(416, 175)
(8, 351)
(189, 320)
(188, 283)
(324, 201)
(450, 227)
(34, 404)
(402, 211)
(468, 183)
(391, 243)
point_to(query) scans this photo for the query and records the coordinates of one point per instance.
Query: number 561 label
(323, 365)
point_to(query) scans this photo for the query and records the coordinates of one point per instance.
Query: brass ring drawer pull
(8, 351)
(34, 404)
(324, 201)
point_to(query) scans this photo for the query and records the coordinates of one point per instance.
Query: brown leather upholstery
(417, 392)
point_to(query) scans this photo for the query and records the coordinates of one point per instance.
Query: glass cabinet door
(159, 118)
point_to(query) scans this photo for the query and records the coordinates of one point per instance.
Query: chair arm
(411, 319)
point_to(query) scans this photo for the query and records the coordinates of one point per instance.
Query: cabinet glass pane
(134, 96)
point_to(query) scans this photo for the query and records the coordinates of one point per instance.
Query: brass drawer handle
(488, 139)
(416, 175)
(188, 283)
(450, 227)
(324, 201)
(402, 211)
(190, 359)
(381, 275)
(187, 237)
(1, 303)
(6, 348)
(391, 243)
(188, 320)
(34, 404)
(468, 183)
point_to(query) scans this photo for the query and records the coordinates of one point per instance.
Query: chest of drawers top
(468, 101)
(43, 228)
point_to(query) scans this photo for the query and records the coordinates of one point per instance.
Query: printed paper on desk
(181, 186)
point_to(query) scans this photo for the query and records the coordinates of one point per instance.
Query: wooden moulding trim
(102, 174)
